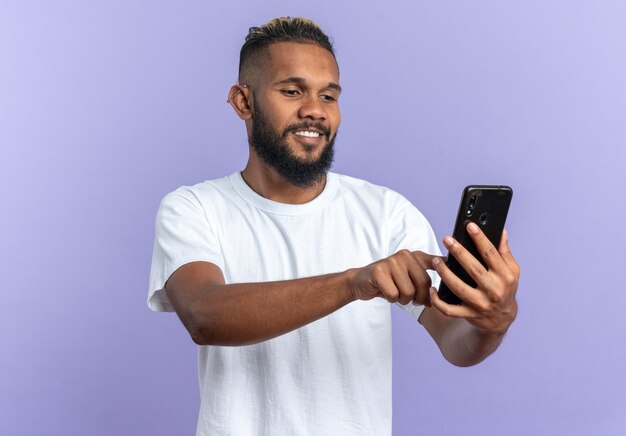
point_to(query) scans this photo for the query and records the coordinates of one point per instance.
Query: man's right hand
(400, 278)
(216, 313)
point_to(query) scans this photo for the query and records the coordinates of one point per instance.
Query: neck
(266, 182)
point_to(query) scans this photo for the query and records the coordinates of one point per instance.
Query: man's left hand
(491, 306)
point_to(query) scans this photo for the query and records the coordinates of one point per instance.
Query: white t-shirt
(330, 377)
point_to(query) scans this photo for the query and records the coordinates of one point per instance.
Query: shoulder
(374, 195)
(199, 195)
(384, 204)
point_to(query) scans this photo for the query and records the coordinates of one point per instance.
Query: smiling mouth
(308, 133)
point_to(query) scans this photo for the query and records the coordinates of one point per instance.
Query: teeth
(308, 133)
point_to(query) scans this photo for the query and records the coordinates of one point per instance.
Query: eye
(328, 98)
(290, 92)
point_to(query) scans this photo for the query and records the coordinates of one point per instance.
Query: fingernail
(448, 241)
(436, 261)
(472, 228)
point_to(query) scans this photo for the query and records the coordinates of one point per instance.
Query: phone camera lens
(483, 219)
(472, 202)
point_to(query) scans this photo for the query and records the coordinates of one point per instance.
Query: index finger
(425, 260)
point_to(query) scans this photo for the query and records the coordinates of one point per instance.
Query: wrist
(347, 287)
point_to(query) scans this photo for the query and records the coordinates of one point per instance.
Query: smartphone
(487, 206)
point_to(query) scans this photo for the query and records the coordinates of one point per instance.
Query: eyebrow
(300, 81)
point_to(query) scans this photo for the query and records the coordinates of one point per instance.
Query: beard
(274, 149)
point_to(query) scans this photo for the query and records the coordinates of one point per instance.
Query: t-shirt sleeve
(411, 231)
(182, 234)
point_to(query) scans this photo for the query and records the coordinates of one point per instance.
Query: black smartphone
(487, 206)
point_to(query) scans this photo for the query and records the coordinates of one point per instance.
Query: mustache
(295, 127)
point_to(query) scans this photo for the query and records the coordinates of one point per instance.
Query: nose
(313, 108)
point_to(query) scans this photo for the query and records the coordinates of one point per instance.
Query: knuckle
(404, 253)
(490, 252)
(407, 293)
(483, 305)
(497, 296)
(378, 269)
(393, 260)
(455, 248)
(510, 279)
(393, 297)
(476, 270)
(403, 293)
(411, 289)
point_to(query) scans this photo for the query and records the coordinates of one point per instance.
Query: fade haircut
(283, 29)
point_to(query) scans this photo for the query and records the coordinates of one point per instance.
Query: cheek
(336, 120)
(283, 117)
(276, 110)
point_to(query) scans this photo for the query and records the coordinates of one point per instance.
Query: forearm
(248, 313)
(465, 345)
(216, 313)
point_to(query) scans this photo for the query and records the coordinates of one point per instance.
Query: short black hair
(283, 29)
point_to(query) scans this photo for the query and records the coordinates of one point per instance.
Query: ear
(239, 98)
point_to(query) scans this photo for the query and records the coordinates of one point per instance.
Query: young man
(283, 273)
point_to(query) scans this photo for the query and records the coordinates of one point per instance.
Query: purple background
(106, 106)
